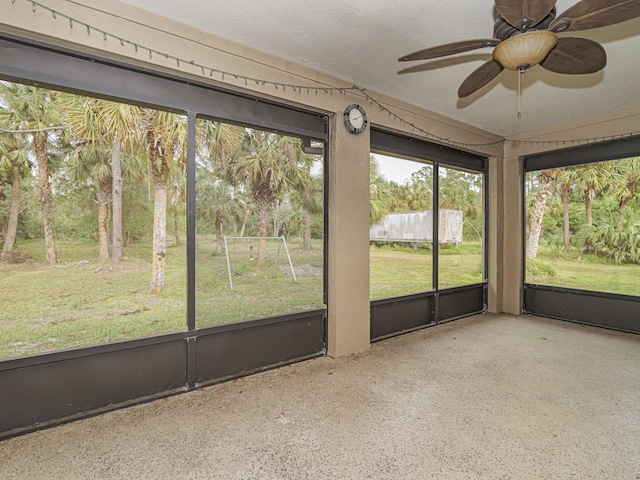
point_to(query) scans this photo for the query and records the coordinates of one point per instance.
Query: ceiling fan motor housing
(503, 29)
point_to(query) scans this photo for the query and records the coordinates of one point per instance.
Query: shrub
(616, 236)
(537, 268)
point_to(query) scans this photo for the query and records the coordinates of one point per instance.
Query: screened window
(461, 227)
(412, 249)
(259, 224)
(92, 221)
(105, 207)
(401, 226)
(583, 226)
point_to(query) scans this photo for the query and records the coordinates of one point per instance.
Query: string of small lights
(224, 75)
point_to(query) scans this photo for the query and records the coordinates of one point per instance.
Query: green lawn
(584, 272)
(402, 270)
(80, 302)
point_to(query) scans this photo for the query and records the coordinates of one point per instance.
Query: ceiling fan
(525, 35)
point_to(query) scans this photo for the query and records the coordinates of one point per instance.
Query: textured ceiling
(361, 40)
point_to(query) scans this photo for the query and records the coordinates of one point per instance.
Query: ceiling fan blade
(450, 49)
(524, 14)
(588, 14)
(575, 55)
(479, 78)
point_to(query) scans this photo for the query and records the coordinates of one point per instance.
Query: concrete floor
(487, 397)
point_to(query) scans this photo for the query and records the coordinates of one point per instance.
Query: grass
(257, 292)
(583, 271)
(81, 302)
(402, 270)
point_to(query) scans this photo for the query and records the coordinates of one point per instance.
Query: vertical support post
(436, 241)
(513, 235)
(348, 231)
(191, 363)
(436, 224)
(191, 221)
(494, 212)
(191, 248)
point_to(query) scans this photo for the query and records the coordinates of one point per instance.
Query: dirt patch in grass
(304, 270)
(15, 257)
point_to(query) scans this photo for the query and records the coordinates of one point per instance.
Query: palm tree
(379, 193)
(32, 108)
(307, 194)
(13, 159)
(418, 193)
(565, 181)
(91, 159)
(215, 203)
(594, 178)
(309, 198)
(120, 124)
(90, 162)
(165, 135)
(113, 128)
(628, 181)
(218, 144)
(269, 165)
(461, 190)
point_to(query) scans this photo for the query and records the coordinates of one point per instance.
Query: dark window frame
(602, 309)
(438, 305)
(163, 364)
(39, 65)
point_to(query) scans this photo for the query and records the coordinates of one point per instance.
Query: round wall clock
(355, 118)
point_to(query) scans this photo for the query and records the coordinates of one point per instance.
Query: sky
(397, 169)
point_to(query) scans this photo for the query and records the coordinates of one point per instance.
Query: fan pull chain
(520, 75)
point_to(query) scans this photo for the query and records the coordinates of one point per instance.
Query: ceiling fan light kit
(525, 35)
(525, 50)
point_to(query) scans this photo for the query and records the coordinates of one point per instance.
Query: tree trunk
(159, 233)
(588, 206)
(247, 212)
(159, 217)
(46, 199)
(264, 211)
(544, 185)
(117, 239)
(176, 225)
(262, 243)
(218, 223)
(276, 218)
(565, 210)
(104, 189)
(235, 217)
(14, 213)
(307, 230)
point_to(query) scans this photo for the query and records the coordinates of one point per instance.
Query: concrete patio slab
(486, 397)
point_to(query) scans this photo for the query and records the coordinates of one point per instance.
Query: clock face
(355, 119)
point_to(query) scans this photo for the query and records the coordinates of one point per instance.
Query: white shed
(414, 227)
